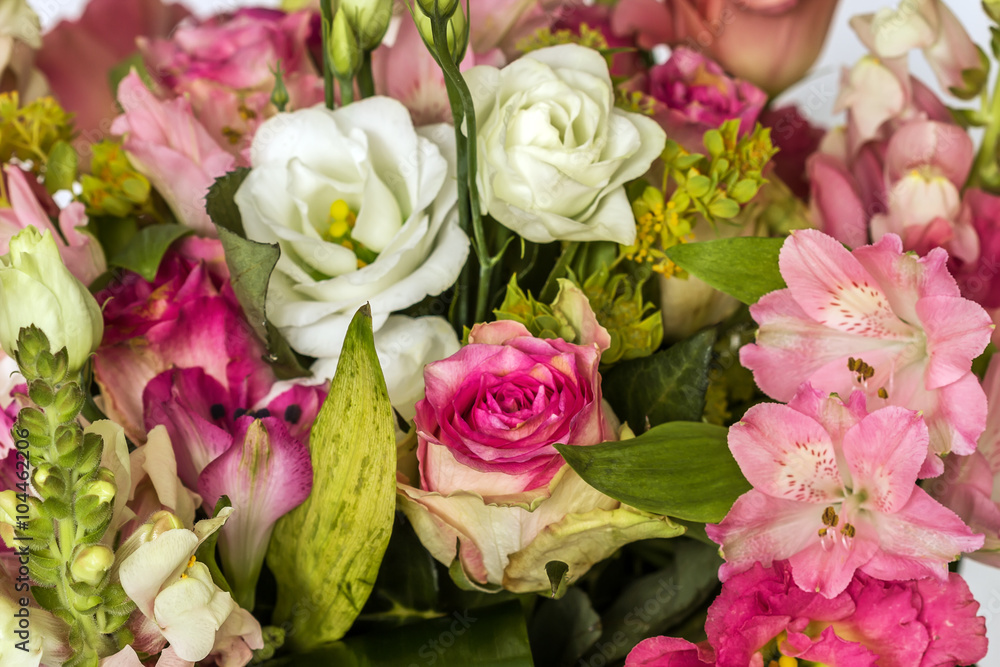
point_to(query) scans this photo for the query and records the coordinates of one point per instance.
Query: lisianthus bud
(91, 564)
(37, 288)
(370, 20)
(443, 8)
(458, 34)
(345, 54)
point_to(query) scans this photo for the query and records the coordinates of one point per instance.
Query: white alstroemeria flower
(175, 591)
(363, 207)
(554, 151)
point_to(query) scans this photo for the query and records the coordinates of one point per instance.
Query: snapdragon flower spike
(266, 474)
(834, 492)
(880, 320)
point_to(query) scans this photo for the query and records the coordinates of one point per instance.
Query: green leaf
(489, 637)
(651, 605)
(562, 630)
(60, 167)
(325, 554)
(250, 266)
(667, 386)
(557, 572)
(206, 552)
(146, 248)
(680, 469)
(744, 267)
(220, 201)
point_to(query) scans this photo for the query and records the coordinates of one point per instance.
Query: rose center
(342, 220)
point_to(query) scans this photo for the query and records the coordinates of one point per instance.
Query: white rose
(324, 182)
(554, 151)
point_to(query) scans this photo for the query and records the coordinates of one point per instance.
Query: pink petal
(835, 202)
(785, 454)
(958, 330)
(830, 410)
(944, 146)
(958, 635)
(669, 652)
(266, 473)
(760, 528)
(884, 453)
(919, 540)
(832, 287)
(828, 565)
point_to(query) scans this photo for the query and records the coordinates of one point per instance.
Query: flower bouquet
(495, 333)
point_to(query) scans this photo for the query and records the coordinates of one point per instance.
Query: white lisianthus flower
(554, 151)
(363, 207)
(37, 288)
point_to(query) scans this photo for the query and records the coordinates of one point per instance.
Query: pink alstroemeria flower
(968, 483)
(899, 315)
(168, 145)
(258, 457)
(81, 252)
(835, 492)
(761, 615)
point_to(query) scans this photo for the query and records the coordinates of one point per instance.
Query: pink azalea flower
(694, 95)
(900, 315)
(834, 492)
(80, 251)
(168, 145)
(761, 615)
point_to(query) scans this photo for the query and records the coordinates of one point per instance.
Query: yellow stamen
(191, 562)
(787, 661)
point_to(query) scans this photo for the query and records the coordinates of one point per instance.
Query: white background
(816, 96)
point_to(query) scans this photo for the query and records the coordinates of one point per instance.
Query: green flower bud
(279, 96)
(90, 457)
(161, 522)
(370, 20)
(458, 34)
(443, 8)
(101, 489)
(41, 392)
(69, 441)
(91, 564)
(68, 402)
(345, 54)
(52, 367)
(48, 480)
(37, 288)
(992, 9)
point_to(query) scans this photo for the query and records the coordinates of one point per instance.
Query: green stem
(326, 9)
(460, 301)
(439, 29)
(366, 81)
(346, 91)
(986, 172)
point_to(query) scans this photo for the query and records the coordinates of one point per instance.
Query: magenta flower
(254, 452)
(762, 615)
(694, 95)
(834, 492)
(187, 318)
(880, 320)
(223, 66)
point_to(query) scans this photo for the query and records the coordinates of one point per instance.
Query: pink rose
(168, 145)
(223, 66)
(761, 615)
(491, 481)
(729, 31)
(502, 402)
(694, 95)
